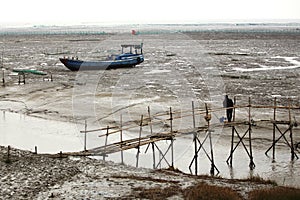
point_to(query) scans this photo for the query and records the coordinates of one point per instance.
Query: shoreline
(41, 176)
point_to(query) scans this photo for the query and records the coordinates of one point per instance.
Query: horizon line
(188, 22)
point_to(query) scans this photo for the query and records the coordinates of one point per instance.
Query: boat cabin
(132, 47)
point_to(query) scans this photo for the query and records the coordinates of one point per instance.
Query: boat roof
(136, 46)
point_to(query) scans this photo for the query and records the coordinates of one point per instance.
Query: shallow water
(25, 132)
(203, 67)
(53, 136)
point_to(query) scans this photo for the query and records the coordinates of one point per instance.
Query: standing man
(228, 104)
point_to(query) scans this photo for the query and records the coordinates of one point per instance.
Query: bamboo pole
(153, 154)
(140, 134)
(291, 131)
(274, 128)
(251, 165)
(182, 116)
(193, 114)
(104, 155)
(85, 129)
(151, 132)
(208, 118)
(195, 141)
(150, 120)
(171, 120)
(100, 129)
(172, 139)
(232, 133)
(162, 156)
(121, 139)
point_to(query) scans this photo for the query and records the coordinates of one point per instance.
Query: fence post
(85, 129)
(3, 78)
(8, 154)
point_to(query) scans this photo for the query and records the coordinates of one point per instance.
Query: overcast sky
(139, 11)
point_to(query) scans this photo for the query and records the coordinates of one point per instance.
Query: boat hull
(76, 65)
(29, 71)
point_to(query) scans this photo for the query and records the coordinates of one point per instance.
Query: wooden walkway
(283, 130)
(130, 144)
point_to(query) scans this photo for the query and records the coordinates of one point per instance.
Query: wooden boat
(30, 71)
(124, 60)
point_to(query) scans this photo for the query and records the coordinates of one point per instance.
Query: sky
(59, 12)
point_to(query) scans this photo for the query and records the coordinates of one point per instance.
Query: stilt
(171, 120)
(207, 136)
(291, 131)
(195, 141)
(162, 156)
(251, 164)
(121, 139)
(208, 118)
(85, 129)
(274, 128)
(140, 134)
(106, 138)
(172, 139)
(282, 134)
(153, 154)
(248, 131)
(232, 133)
(212, 169)
(150, 120)
(193, 113)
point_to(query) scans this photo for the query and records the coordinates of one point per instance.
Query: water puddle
(291, 60)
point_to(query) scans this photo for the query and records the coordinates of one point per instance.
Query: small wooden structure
(244, 139)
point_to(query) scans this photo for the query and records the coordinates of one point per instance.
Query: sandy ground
(34, 176)
(260, 65)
